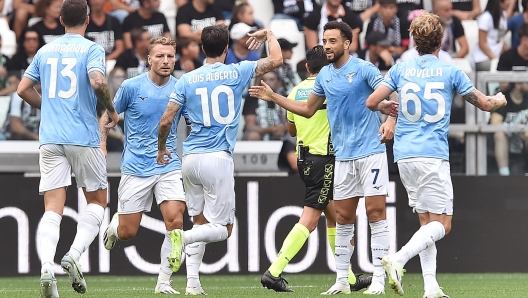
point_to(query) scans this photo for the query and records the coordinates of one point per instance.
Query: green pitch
(455, 285)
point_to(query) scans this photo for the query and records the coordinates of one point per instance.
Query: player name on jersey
(423, 72)
(65, 48)
(213, 76)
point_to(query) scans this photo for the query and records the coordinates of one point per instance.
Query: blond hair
(427, 32)
(162, 40)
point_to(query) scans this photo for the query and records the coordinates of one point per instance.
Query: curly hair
(427, 32)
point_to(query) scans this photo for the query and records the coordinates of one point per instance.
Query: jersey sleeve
(389, 80)
(246, 69)
(461, 83)
(122, 98)
(318, 86)
(177, 95)
(96, 59)
(33, 70)
(373, 76)
(15, 109)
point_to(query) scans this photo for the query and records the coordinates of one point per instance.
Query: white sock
(206, 233)
(194, 253)
(113, 228)
(428, 262)
(49, 233)
(426, 236)
(343, 251)
(379, 246)
(165, 271)
(87, 229)
(504, 171)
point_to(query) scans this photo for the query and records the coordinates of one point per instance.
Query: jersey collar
(350, 58)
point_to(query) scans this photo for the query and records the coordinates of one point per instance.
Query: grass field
(455, 285)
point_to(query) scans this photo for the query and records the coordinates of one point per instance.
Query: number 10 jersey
(68, 114)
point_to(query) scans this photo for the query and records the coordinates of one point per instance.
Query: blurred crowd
(498, 41)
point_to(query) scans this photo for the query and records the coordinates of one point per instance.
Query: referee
(315, 161)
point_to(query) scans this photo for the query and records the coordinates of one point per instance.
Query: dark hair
(236, 10)
(141, 2)
(390, 2)
(20, 44)
(214, 40)
(183, 43)
(494, 9)
(74, 12)
(135, 34)
(316, 59)
(346, 31)
(522, 31)
(40, 7)
(525, 5)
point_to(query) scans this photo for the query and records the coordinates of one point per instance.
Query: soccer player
(426, 87)
(316, 163)
(212, 96)
(71, 72)
(361, 163)
(143, 100)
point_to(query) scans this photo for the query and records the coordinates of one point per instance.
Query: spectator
(8, 85)
(388, 23)
(192, 17)
(413, 53)
(265, 120)
(511, 148)
(148, 17)
(115, 79)
(105, 30)
(134, 61)
(226, 6)
(516, 58)
(293, 10)
(365, 9)
(189, 52)
(515, 22)
(453, 29)
(28, 44)
(332, 10)
(23, 10)
(405, 9)
(120, 9)
(23, 120)
(492, 28)
(239, 51)
(49, 28)
(466, 9)
(243, 13)
(286, 74)
(377, 51)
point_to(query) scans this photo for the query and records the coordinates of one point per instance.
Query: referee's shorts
(317, 173)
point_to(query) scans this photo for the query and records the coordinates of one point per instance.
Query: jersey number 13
(66, 72)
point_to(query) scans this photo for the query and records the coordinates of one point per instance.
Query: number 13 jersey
(212, 95)
(426, 87)
(68, 114)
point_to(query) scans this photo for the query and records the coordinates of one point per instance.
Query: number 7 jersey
(426, 87)
(212, 95)
(68, 114)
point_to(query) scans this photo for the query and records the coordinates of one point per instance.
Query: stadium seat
(168, 8)
(463, 64)
(9, 43)
(263, 10)
(483, 4)
(471, 32)
(4, 108)
(32, 21)
(363, 34)
(493, 64)
(288, 29)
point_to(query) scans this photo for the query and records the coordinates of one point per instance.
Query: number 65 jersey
(68, 114)
(426, 87)
(212, 95)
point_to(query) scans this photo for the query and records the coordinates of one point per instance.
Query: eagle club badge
(350, 76)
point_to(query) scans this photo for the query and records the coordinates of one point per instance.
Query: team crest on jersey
(350, 76)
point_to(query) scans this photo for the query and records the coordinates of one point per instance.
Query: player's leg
(55, 177)
(89, 166)
(375, 180)
(194, 254)
(347, 192)
(170, 198)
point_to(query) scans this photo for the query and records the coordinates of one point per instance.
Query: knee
(343, 217)
(376, 213)
(126, 233)
(447, 227)
(174, 223)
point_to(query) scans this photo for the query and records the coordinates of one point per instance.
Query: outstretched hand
(263, 92)
(257, 39)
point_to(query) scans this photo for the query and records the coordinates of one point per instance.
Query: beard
(446, 22)
(337, 56)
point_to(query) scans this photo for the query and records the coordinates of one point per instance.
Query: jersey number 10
(66, 72)
(214, 103)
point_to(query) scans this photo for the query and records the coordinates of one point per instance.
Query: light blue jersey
(353, 126)
(212, 96)
(68, 100)
(426, 87)
(143, 103)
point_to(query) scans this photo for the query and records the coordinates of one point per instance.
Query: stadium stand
(9, 43)
(263, 11)
(288, 29)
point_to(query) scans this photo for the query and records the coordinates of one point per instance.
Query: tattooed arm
(103, 121)
(163, 132)
(483, 102)
(274, 58)
(98, 82)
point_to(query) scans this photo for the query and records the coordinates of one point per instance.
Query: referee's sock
(331, 234)
(290, 247)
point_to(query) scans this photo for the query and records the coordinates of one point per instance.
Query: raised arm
(274, 58)
(163, 132)
(98, 82)
(303, 108)
(483, 102)
(28, 93)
